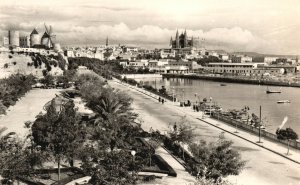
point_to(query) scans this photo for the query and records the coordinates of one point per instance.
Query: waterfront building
(232, 68)
(249, 69)
(138, 64)
(25, 42)
(158, 65)
(174, 66)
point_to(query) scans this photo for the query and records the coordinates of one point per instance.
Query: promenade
(266, 161)
(26, 109)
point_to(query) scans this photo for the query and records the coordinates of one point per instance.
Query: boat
(222, 84)
(284, 101)
(268, 91)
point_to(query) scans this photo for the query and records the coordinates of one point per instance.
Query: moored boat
(284, 101)
(268, 91)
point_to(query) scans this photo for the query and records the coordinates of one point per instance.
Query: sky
(264, 26)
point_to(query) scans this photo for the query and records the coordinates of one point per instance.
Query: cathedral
(181, 41)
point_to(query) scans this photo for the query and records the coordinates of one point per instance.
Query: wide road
(262, 167)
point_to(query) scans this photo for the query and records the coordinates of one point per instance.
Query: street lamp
(173, 94)
(133, 152)
(183, 95)
(210, 99)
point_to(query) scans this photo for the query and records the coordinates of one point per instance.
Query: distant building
(35, 38)
(167, 53)
(231, 68)
(130, 49)
(241, 59)
(224, 57)
(181, 41)
(14, 38)
(25, 42)
(181, 66)
(5, 41)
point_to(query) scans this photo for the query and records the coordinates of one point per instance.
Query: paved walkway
(26, 109)
(262, 167)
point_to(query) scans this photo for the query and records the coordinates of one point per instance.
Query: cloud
(224, 38)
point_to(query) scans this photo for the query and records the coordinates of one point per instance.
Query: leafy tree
(287, 134)
(6, 65)
(116, 167)
(182, 132)
(216, 160)
(59, 132)
(2, 108)
(48, 80)
(13, 162)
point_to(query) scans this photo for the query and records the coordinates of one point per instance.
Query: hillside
(24, 64)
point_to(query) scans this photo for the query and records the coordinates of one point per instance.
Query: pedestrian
(159, 99)
(163, 101)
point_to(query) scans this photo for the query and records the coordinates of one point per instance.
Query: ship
(284, 101)
(268, 91)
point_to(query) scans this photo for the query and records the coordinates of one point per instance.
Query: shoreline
(271, 140)
(234, 79)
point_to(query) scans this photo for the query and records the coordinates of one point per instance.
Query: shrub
(14, 63)
(6, 65)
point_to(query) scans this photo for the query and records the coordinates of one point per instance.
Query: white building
(231, 68)
(269, 60)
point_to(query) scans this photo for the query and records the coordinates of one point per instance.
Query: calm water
(236, 96)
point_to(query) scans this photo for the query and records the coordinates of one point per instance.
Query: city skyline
(254, 26)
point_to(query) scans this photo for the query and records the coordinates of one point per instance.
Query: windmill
(48, 37)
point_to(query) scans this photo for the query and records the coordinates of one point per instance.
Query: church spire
(185, 44)
(171, 41)
(177, 39)
(106, 41)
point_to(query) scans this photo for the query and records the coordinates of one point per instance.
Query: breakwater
(234, 79)
(251, 129)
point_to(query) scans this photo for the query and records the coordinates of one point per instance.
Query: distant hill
(255, 54)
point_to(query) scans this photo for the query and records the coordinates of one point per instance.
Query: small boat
(284, 101)
(268, 91)
(222, 84)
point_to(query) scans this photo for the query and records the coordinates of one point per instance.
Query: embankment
(235, 79)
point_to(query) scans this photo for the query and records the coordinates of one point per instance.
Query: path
(263, 166)
(26, 109)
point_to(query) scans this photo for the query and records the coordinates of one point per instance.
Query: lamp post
(173, 94)
(133, 152)
(210, 99)
(183, 95)
(259, 126)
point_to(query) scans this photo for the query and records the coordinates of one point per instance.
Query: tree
(59, 132)
(216, 160)
(48, 80)
(287, 134)
(116, 167)
(182, 133)
(13, 161)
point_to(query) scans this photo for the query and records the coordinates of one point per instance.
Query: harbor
(236, 96)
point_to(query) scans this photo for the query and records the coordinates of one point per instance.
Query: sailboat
(268, 91)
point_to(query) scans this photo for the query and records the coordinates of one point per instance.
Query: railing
(251, 129)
